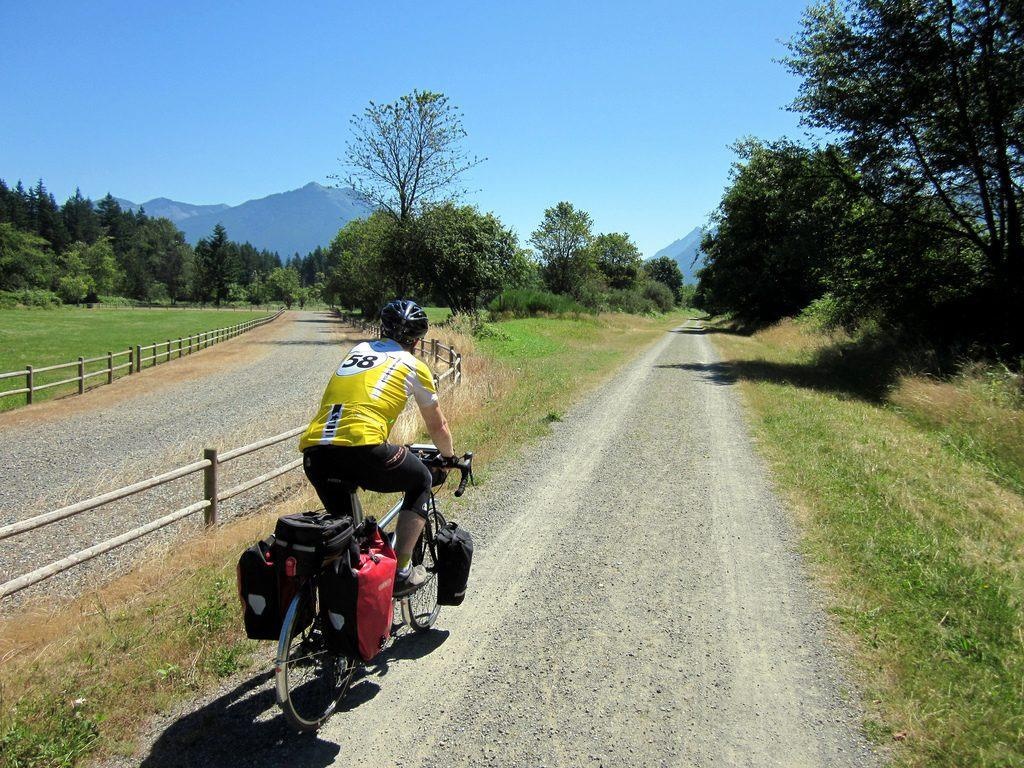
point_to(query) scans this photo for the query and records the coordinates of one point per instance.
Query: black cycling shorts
(386, 468)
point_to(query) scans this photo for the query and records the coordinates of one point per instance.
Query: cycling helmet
(403, 320)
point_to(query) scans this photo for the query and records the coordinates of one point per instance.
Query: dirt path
(636, 600)
(54, 453)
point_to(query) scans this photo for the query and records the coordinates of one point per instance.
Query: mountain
(161, 207)
(686, 253)
(288, 222)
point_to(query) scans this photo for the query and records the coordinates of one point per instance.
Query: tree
(216, 266)
(471, 257)
(80, 219)
(283, 285)
(779, 229)
(170, 260)
(95, 263)
(618, 259)
(358, 273)
(408, 153)
(666, 271)
(24, 260)
(563, 247)
(929, 99)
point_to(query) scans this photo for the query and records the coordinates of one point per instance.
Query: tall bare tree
(408, 153)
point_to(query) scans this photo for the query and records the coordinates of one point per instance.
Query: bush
(29, 298)
(822, 314)
(73, 288)
(660, 294)
(527, 302)
(119, 301)
(647, 298)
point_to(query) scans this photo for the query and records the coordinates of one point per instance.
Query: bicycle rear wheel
(311, 680)
(421, 608)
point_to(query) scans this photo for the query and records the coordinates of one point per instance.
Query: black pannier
(339, 588)
(258, 591)
(454, 547)
(312, 538)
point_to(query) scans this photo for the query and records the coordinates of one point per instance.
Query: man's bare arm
(437, 426)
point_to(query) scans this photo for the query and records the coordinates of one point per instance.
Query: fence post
(110, 367)
(138, 357)
(210, 486)
(168, 351)
(81, 375)
(30, 383)
(433, 351)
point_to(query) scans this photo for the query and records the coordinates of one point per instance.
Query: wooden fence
(209, 505)
(132, 359)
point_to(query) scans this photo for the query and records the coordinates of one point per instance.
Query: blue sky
(626, 110)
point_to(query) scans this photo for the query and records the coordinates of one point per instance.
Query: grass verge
(908, 491)
(41, 337)
(80, 680)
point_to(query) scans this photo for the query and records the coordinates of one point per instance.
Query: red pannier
(355, 599)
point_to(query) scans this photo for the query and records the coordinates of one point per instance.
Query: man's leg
(397, 469)
(410, 525)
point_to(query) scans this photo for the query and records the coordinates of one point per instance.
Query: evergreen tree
(216, 266)
(80, 219)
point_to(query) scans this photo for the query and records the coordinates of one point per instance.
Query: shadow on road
(716, 373)
(229, 733)
(865, 369)
(243, 728)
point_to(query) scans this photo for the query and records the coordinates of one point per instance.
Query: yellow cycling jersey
(366, 394)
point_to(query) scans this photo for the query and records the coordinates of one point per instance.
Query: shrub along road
(636, 600)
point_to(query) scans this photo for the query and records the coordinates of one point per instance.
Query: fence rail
(209, 465)
(135, 360)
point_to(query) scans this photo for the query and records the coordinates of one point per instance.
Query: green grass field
(41, 337)
(908, 490)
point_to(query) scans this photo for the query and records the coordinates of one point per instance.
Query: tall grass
(530, 302)
(908, 494)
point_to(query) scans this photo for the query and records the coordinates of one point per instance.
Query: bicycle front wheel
(421, 607)
(311, 680)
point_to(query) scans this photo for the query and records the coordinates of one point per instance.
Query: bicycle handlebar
(431, 456)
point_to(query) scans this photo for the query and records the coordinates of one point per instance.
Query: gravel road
(263, 382)
(637, 599)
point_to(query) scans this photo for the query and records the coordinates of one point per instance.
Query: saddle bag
(312, 539)
(258, 591)
(355, 597)
(454, 547)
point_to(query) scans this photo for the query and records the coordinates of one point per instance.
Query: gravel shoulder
(263, 382)
(637, 598)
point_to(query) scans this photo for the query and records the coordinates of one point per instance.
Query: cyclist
(347, 441)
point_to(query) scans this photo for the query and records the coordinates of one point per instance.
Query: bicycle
(310, 679)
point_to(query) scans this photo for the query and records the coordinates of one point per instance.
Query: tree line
(81, 251)
(406, 160)
(911, 215)
(420, 242)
